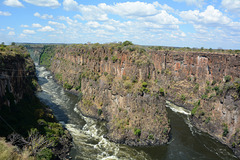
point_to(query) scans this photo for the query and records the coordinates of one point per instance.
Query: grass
(9, 152)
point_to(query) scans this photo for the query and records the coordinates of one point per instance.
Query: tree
(127, 43)
(13, 44)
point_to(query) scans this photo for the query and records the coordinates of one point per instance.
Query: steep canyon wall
(128, 86)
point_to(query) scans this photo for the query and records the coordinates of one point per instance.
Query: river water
(89, 143)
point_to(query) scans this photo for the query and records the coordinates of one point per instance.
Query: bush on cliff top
(127, 43)
(137, 132)
(161, 91)
(227, 78)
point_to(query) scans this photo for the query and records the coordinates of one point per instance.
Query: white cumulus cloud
(44, 16)
(210, 16)
(27, 31)
(5, 13)
(46, 29)
(57, 24)
(13, 3)
(136, 9)
(211, 20)
(231, 5)
(44, 3)
(36, 25)
(69, 5)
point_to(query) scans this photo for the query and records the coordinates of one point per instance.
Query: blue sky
(180, 23)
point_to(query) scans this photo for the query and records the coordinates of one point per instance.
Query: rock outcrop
(127, 87)
(116, 90)
(17, 75)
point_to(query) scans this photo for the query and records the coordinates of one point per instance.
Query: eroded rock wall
(17, 77)
(113, 90)
(128, 86)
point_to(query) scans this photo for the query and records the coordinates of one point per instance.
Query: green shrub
(99, 112)
(207, 82)
(194, 110)
(144, 84)
(165, 131)
(214, 82)
(183, 97)
(150, 137)
(161, 91)
(216, 88)
(144, 87)
(227, 78)
(78, 88)
(34, 83)
(234, 144)
(137, 132)
(105, 73)
(225, 130)
(204, 96)
(58, 76)
(196, 105)
(127, 43)
(45, 154)
(114, 59)
(131, 49)
(207, 89)
(106, 58)
(67, 86)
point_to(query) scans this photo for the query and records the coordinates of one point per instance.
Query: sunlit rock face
(127, 87)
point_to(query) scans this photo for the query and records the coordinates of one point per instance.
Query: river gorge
(186, 141)
(120, 102)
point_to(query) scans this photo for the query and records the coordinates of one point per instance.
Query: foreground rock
(26, 122)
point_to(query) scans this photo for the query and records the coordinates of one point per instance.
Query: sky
(178, 23)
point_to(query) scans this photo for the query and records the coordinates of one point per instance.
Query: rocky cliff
(116, 90)
(128, 85)
(17, 75)
(24, 120)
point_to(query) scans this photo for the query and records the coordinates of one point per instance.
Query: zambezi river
(186, 142)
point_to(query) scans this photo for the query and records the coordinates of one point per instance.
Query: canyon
(124, 87)
(127, 86)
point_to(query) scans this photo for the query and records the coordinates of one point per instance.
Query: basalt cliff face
(209, 86)
(128, 86)
(116, 90)
(17, 75)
